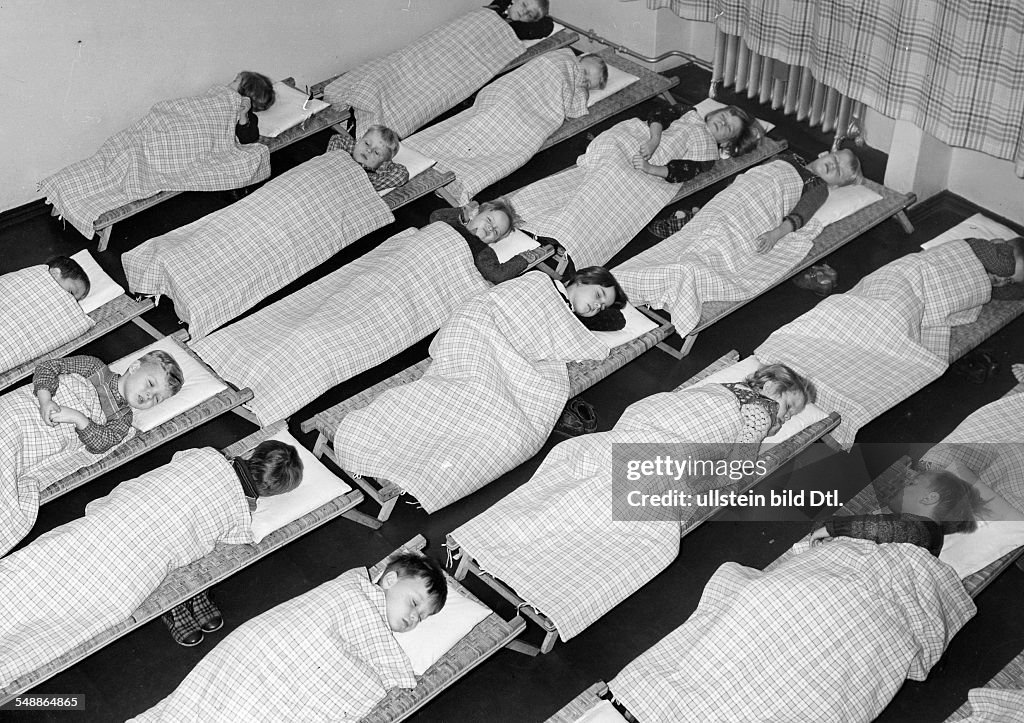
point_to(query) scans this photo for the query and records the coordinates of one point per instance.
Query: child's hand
(818, 535)
(647, 149)
(47, 409)
(766, 241)
(640, 163)
(66, 415)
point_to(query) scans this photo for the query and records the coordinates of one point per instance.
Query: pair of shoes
(665, 227)
(206, 613)
(977, 367)
(821, 279)
(183, 626)
(578, 417)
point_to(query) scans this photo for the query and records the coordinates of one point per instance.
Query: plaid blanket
(325, 655)
(559, 542)
(186, 144)
(597, 207)
(37, 316)
(875, 345)
(421, 81)
(489, 400)
(712, 258)
(831, 634)
(509, 122)
(357, 317)
(994, 705)
(91, 573)
(226, 262)
(34, 455)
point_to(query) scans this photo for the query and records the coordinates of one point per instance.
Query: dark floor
(134, 673)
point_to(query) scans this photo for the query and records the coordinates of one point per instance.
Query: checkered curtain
(954, 69)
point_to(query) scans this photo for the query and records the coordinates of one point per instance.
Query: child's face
(145, 385)
(724, 125)
(524, 11)
(73, 286)
(490, 225)
(592, 73)
(590, 299)
(836, 169)
(1018, 268)
(407, 601)
(790, 403)
(370, 151)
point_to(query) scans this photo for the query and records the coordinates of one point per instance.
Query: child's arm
(494, 271)
(46, 379)
(675, 171)
(389, 175)
(97, 438)
(884, 529)
(813, 196)
(657, 121)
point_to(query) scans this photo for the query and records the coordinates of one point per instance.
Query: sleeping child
(69, 276)
(1003, 260)
(374, 152)
(92, 573)
(529, 19)
(326, 655)
(258, 94)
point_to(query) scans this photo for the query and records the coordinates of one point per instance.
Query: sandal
(578, 417)
(821, 279)
(665, 227)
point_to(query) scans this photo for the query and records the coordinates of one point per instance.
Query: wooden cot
(186, 582)
(582, 375)
(773, 458)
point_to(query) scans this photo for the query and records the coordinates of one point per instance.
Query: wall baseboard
(20, 214)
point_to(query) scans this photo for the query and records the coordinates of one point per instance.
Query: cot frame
(143, 442)
(582, 375)
(1010, 677)
(185, 582)
(581, 704)
(774, 458)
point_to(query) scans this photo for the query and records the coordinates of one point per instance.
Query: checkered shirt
(91, 573)
(224, 263)
(489, 400)
(388, 175)
(872, 347)
(325, 655)
(597, 207)
(555, 541)
(38, 315)
(425, 78)
(351, 320)
(713, 258)
(831, 634)
(186, 144)
(508, 123)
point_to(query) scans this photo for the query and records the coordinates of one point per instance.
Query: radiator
(787, 87)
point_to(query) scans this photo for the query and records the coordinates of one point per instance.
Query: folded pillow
(636, 325)
(844, 201)
(318, 487)
(200, 384)
(977, 226)
(515, 243)
(601, 712)
(287, 110)
(617, 80)
(968, 552)
(102, 288)
(414, 161)
(435, 636)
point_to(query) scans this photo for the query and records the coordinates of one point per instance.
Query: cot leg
(462, 569)
(104, 234)
(669, 97)
(549, 641)
(832, 444)
(363, 519)
(246, 415)
(524, 648)
(147, 327)
(448, 197)
(674, 353)
(320, 445)
(904, 222)
(386, 509)
(688, 344)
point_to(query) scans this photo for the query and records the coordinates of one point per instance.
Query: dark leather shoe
(206, 614)
(184, 628)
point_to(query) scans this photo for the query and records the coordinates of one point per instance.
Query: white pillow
(287, 110)
(844, 201)
(414, 161)
(102, 288)
(435, 636)
(968, 552)
(199, 385)
(319, 486)
(617, 80)
(636, 324)
(515, 243)
(555, 27)
(710, 104)
(602, 712)
(977, 226)
(741, 370)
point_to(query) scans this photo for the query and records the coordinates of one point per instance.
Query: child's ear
(133, 367)
(388, 579)
(930, 499)
(822, 154)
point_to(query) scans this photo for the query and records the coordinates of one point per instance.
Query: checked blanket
(325, 655)
(488, 401)
(38, 315)
(563, 542)
(599, 205)
(712, 258)
(421, 81)
(831, 634)
(508, 123)
(887, 337)
(351, 320)
(85, 576)
(186, 144)
(225, 263)
(994, 705)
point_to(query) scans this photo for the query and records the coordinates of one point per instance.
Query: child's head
(781, 383)
(734, 130)
(258, 88)
(527, 11)
(594, 289)
(595, 72)
(275, 468)
(71, 277)
(378, 145)
(944, 497)
(1017, 244)
(414, 589)
(151, 379)
(493, 220)
(838, 168)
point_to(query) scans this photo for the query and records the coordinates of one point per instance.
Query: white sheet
(977, 226)
(414, 162)
(102, 288)
(617, 80)
(287, 110)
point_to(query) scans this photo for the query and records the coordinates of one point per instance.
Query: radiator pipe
(693, 59)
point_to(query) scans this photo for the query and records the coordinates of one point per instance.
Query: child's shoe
(821, 279)
(206, 614)
(665, 227)
(578, 417)
(183, 626)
